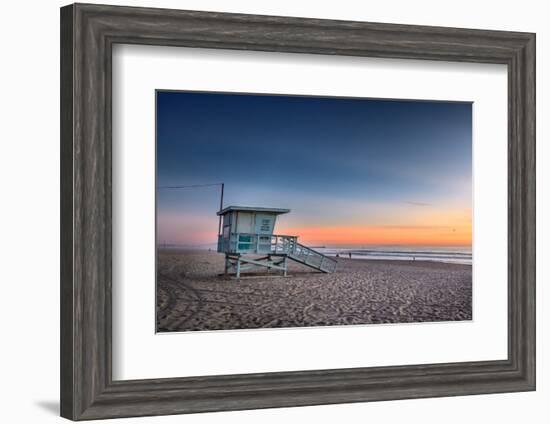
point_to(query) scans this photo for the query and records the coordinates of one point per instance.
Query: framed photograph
(264, 211)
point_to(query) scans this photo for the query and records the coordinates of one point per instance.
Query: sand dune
(191, 295)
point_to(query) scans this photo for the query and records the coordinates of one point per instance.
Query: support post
(239, 267)
(285, 266)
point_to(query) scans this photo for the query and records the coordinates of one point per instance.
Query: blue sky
(336, 163)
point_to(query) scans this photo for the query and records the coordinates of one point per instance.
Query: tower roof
(276, 211)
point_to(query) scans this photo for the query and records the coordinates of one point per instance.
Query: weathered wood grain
(88, 33)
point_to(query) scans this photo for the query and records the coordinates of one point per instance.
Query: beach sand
(192, 296)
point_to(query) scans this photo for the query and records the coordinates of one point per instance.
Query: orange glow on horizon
(385, 235)
(442, 226)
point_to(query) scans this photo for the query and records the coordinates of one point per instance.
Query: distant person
(337, 255)
(349, 255)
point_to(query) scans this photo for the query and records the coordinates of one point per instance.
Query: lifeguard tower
(246, 237)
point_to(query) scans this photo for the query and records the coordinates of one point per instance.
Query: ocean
(458, 255)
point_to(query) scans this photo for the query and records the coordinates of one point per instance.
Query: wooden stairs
(311, 258)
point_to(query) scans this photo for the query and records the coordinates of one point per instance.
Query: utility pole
(221, 207)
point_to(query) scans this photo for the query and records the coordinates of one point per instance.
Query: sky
(353, 172)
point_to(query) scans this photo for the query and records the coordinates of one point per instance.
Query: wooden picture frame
(88, 33)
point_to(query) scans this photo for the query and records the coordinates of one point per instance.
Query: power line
(222, 185)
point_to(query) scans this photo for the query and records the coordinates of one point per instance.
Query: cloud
(418, 203)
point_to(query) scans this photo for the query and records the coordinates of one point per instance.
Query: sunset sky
(354, 172)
